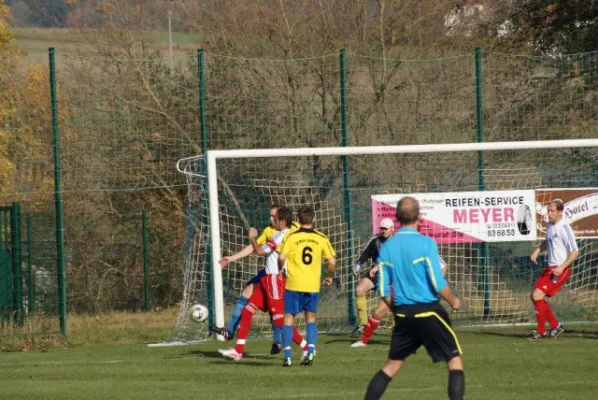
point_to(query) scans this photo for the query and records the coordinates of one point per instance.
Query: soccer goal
(484, 204)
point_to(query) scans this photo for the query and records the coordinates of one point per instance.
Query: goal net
(472, 197)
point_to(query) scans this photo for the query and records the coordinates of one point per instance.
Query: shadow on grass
(206, 354)
(571, 333)
(580, 334)
(214, 354)
(520, 335)
(352, 340)
(243, 362)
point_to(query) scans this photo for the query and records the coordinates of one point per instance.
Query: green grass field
(37, 40)
(499, 362)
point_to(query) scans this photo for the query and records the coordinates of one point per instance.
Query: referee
(409, 262)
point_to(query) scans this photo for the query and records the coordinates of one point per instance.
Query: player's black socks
(377, 386)
(456, 385)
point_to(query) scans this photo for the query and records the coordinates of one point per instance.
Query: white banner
(466, 217)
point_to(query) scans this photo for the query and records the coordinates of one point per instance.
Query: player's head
(387, 227)
(283, 219)
(306, 215)
(555, 211)
(407, 212)
(273, 209)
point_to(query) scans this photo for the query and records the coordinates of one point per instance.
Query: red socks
(369, 329)
(543, 313)
(298, 339)
(244, 328)
(550, 316)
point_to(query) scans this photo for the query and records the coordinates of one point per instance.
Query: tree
(42, 13)
(548, 26)
(6, 165)
(25, 118)
(5, 34)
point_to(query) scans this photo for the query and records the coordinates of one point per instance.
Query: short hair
(558, 204)
(407, 210)
(306, 215)
(284, 213)
(277, 206)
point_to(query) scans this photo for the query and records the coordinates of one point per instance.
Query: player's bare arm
(235, 257)
(374, 270)
(281, 260)
(330, 272)
(537, 251)
(447, 295)
(568, 261)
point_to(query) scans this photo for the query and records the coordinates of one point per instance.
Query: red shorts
(268, 296)
(548, 284)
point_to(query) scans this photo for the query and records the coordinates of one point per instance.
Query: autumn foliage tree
(24, 113)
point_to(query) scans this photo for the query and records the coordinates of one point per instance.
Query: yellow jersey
(266, 235)
(295, 225)
(305, 249)
(270, 231)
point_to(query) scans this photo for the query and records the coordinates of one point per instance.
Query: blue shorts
(256, 279)
(295, 302)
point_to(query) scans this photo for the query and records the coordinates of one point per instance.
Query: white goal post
(213, 156)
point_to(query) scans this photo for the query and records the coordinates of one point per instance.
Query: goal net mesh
(493, 280)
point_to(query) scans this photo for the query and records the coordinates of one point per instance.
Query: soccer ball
(198, 313)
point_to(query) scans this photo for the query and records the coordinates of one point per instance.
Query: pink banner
(440, 233)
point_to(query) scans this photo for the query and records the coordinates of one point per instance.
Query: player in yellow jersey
(265, 237)
(303, 252)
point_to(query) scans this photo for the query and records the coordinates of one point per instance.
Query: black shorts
(427, 325)
(373, 279)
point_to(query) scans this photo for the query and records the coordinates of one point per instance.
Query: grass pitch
(499, 364)
(37, 40)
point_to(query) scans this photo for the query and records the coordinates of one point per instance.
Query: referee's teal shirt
(409, 261)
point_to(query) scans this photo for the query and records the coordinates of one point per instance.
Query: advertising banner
(467, 217)
(580, 210)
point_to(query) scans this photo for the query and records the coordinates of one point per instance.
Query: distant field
(500, 364)
(37, 40)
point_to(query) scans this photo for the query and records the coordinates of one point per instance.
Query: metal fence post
(146, 306)
(30, 278)
(17, 262)
(348, 211)
(60, 261)
(484, 273)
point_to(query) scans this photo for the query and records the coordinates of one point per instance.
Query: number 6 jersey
(305, 249)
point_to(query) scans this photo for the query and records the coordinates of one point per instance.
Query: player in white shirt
(268, 295)
(561, 251)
